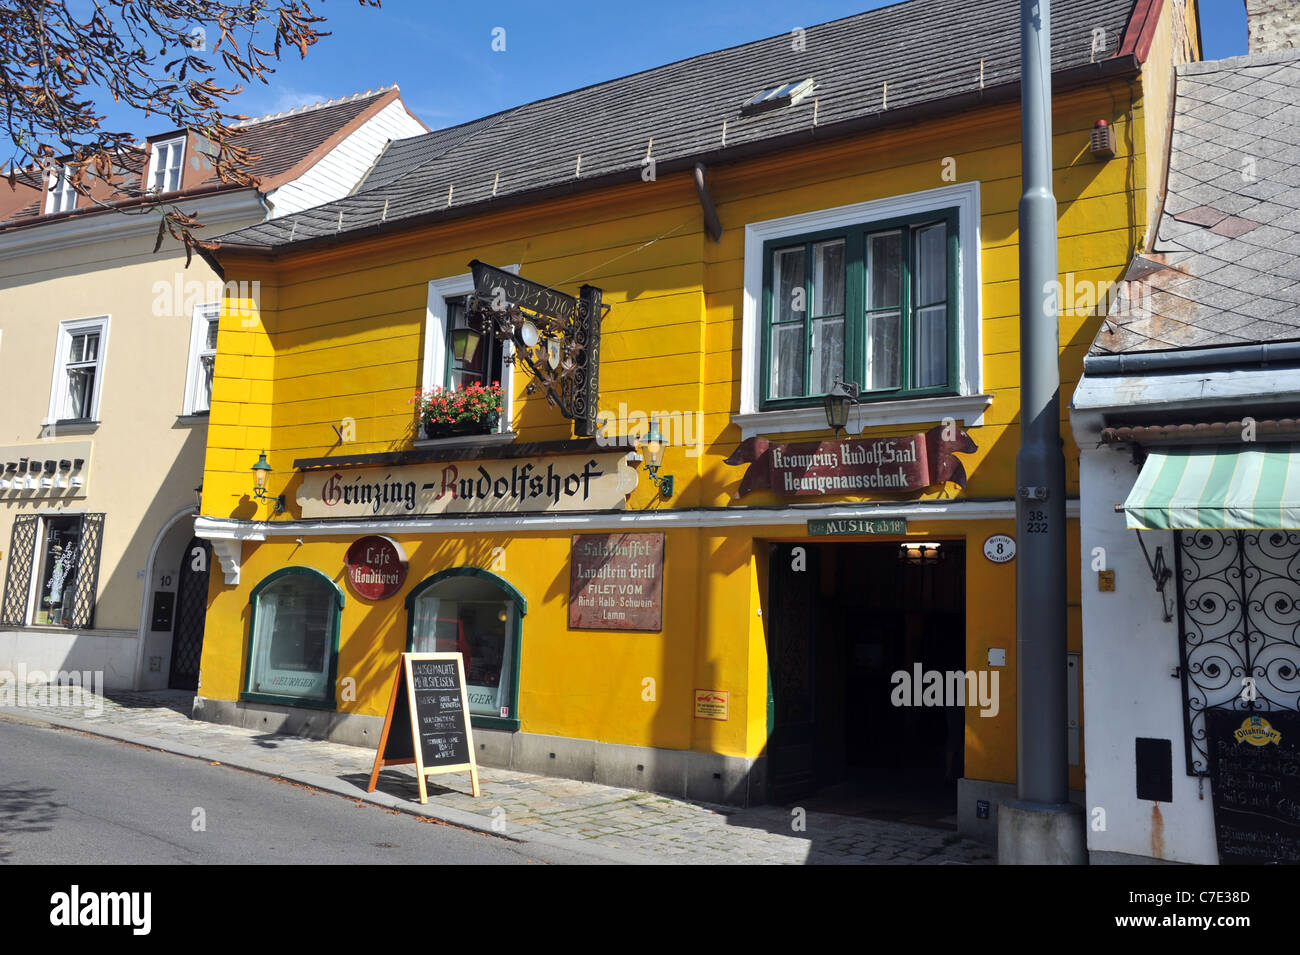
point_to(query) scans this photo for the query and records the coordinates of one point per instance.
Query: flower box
(445, 413)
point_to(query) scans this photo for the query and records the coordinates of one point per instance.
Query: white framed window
(441, 370)
(761, 240)
(60, 196)
(203, 354)
(78, 370)
(165, 165)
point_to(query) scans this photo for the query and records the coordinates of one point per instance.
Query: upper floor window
(165, 165)
(60, 197)
(203, 354)
(883, 293)
(874, 304)
(78, 370)
(443, 367)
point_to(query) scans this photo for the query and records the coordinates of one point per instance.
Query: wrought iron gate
(191, 610)
(1238, 625)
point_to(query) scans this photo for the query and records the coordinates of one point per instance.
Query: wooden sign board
(616, 582)
(428, 721)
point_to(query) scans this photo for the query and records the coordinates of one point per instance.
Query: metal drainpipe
(1042, 770)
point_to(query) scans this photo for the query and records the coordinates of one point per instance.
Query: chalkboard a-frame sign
(428, 720)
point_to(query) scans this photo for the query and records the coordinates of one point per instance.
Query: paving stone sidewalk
(610, 824)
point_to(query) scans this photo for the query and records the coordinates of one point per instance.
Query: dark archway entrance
(191, 612)
(838, 631)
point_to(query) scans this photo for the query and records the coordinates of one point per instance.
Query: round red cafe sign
(376, 567)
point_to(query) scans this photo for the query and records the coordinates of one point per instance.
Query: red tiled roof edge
(1141, 29)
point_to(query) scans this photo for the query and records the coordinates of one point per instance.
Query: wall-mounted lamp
(837, 401)
(261, 471)
(653, 448)
(464, 344)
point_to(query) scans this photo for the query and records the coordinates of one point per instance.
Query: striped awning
(1229, 487)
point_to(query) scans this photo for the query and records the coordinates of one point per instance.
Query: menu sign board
(616, 582)
(910, 463)
(1255, 774)
(428, 720)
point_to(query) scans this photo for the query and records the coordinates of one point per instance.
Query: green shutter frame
(855, 339)
(18, 571)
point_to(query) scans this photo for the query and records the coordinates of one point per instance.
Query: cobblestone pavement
(616, 824)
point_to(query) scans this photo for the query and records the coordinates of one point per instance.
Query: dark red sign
(376, 567)
(909, 463)
(616, 582)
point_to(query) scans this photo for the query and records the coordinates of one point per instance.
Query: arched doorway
(191, 612)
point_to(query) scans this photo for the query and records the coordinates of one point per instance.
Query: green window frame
(865, 298)
(514, 636)
(332, 642)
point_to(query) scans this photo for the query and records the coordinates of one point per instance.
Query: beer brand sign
(910, 463)
(500, 485)
(376, 567)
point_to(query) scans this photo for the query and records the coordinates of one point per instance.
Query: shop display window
(294, 646)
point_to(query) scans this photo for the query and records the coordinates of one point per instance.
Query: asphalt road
(67, 798)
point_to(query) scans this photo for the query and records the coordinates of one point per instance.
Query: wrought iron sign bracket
(1161, 575)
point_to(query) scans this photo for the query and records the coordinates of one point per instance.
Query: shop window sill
(287, 701)
(494, 722)
(468, 440)
(968, 409)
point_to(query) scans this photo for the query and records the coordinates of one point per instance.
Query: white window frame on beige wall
(968, 405)
(59, 386)
(174, 147)
(196, 402)
(435, 353)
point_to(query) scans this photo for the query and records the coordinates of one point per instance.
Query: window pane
(92, 347)
(884, 357)
(55, 599)
(473, 617)
(788, 294)
(884, 270)
(932, 265)
(78, 348)
(210, 339)
(931, 347)
(81, 388)
(203, 399)
(292, 645)
(827, 355)
(828, 278)
(787, 361)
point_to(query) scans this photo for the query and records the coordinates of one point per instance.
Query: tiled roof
(1225, 269)
(283, 144)
(868, 68)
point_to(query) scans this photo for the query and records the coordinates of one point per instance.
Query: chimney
(1272, 25)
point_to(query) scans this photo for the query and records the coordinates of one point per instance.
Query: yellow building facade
(773, 669)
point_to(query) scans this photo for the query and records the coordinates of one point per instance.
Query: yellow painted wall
(339, 334)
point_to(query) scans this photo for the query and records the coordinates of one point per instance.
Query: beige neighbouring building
(106, 355)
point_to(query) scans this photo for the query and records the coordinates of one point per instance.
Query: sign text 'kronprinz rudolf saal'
(500, 485)
(854, 466)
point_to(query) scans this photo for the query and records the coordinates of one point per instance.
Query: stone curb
(330, 784)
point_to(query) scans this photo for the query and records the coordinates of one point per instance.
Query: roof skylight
(788, 95)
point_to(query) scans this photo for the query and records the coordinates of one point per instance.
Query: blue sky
(441, 55)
